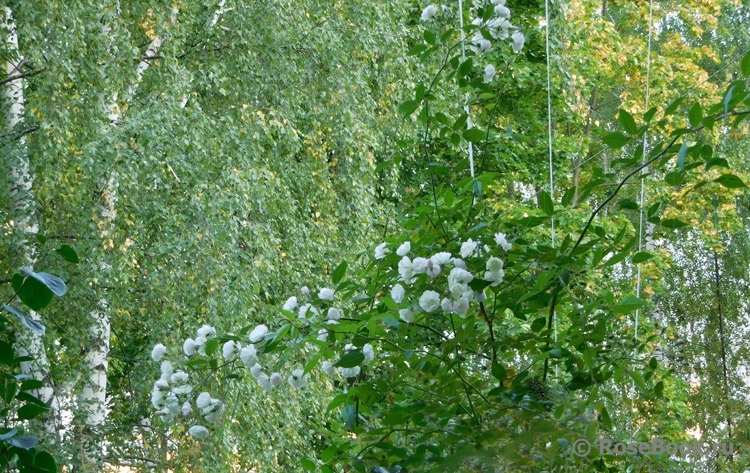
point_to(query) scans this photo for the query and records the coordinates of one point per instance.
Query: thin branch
(22, 75)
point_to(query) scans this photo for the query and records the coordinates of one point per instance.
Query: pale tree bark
(23, 207)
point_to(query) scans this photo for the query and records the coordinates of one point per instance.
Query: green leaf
(308, 464)
(638, 380)
(673, 106)
(429, 37)
(68, 254)
(567, 198)
(350, 416)
(642, 256)
(695, 115)
(627, 122)
(673, 223)
(659, 389)
(351, 359)
(730, 181)
(681, 155)
(538, 324)
(718, 162)
(416, 49)
(475, 135)
(628, 305)
(745, 65)
(615, 140)
(545, 201)
(674, 178)
(408, 107)
(30, 411)
(55, 284)
(628, 204)
(465, 67)
(499, 371)
(35, 294)
(339, 272)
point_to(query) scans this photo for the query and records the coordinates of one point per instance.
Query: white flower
(502, 241)
(489, 73)
(498, 2)
(516, 41)
(228, 350)
(461, 306)
(161, 385)
(157, 399)
(256, 370)
(290, 304)
(322, 335)
(203, 400)
(189, 347)
(166, 369)
(460, 275)
(303, 310)
(406, 315)
(264, 382)
(369, 352)
(305, 291)
(276, 379)
(334, 314)
(381, 251)
(328, 368)
(459, 263)
(433, 269)
(406, 270)
(494, 264)
(200, 345)
(249, 356)
(298, 379)
(419, 264)
(404, 249)
(198, 431)
(442, 258)
(186, 408)
(495, 277)
(212, 415)
(258, 333)
(349, 347)
(172, 404)
(446, 305)
(429, 301)
(158, 352)
(397, 293)
(502, 11)
(498, 28)
(326, 294)
(429, 13)
(349, 372)
(183, 390)
(207, 332)
(480, 296)
(468, 247)
(179, 377)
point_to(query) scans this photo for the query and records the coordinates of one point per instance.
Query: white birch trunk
(23, 207)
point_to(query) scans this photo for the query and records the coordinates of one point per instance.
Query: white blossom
(276, 379)
(442, 258)
(468, 247)
(502, 241)
(406, 270)
(494, 264)
(481, 45)
(328, 368)
(404, 249)
(304, 309)
(429, 301)
(480, 296)
(183, 389)
(189, 347)
(258, 333)
(461, 306)
(459, 263)
(166, 369)
(207, 332)
(433, 269)
(460, 275)
(419, 264)
(489, 73)
(429, 12)
(323, 335)
(406, 315)
(516, 41)
(381, 251)
(290, 304)
(498, 2)
(200, 344)
(198, 432)
(305, 291)
(186, 408)
(212, 414)
(203, 400)
(349, 372)
(298, 379)
(228, 351)
(502, 11)
(264, 382)
(172, 404)
(161, 385)
(179, 377)
(447, 305)
(369, 352)
(157, 399)
(158, 352)
(249, 356)
(326, 294)
(334, 314)
(494, 277)
(256, 370)
(397, 293)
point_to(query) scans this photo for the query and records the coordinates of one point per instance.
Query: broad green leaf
(68, 254)
(308, 464)
(615, 140)
(538, 324)
(351, 359)
(642, 256)
(339, 272)
(475, 135)
(429, 37)
(499, 371)
(465, 67)
(638, 380)
(673, 223)
(416, 49)
(30, 411)
(567, 198)
(627, 122)
(675, 178)
(659, 389)
(695, 115)
(350, 416)
(628, 305)
(34, 293)
(745, 65)
(408, 107)
(730, 181)
(545, 201)
(673, 106)
(628, 204)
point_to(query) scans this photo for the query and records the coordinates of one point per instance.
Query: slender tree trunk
(23, 207)
(725, 374)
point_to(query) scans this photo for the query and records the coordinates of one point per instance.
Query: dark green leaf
(567, 198)
(68, 254)
(308, 464)
(627, 122)
(538, 324)
(545, 201)
(628, 204)
(615, 140)
(745, 65)
(7, 355)
(718, 162)
(45, 462)
(351, 359)
(659, 389)
(416, 49)
(429, 37)
(674, 178)
(673, 223)
(642, 256)
(212, 346)
(465, 67)
(730, 181)
(628, 304)
(35, 294)
(475, 135)
(673, 106)
(499, 371)
(408, 107)
(695, 115)
(350, 416)
(30, 411)
(339, 272)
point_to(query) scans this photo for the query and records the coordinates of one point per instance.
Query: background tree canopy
(199, 163)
